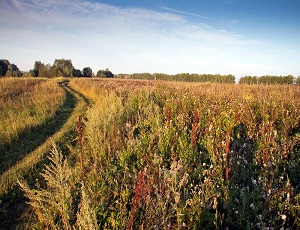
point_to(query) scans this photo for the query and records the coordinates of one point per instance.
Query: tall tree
(13, 71)
(4, 66)
(100, 74)
(105, 73)
(62, 67)
(87, 72)
(77, 73)
(41, 70)
(297, 81)
(36, 69)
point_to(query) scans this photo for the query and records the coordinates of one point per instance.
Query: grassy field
(26, 155)
(26, 104)
(28, 107)
(167, 155)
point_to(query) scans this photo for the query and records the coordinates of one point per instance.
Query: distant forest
(230, 79)
(182, 77)
(60, 68)
(269, 80)
(65, 68)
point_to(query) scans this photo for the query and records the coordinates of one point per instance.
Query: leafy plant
(53, 204)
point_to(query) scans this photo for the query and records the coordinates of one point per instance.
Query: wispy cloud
(185, 13)
(123, 39)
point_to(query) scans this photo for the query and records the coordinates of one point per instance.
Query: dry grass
(26, 103)
(10, 177)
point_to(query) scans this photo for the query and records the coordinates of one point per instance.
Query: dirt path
(30, 140)
(12, 202)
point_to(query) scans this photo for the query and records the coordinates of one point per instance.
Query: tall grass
(188, 156)
(26, 103)
(9, 178)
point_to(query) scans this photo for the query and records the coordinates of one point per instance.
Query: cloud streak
(125, 39)
(185, 13)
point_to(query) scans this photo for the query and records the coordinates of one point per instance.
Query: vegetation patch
(177, 156)
(26, 104)
(14, 211)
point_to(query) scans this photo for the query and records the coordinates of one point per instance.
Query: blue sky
(240, 37)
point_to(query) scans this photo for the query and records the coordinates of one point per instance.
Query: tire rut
(14, 211)
(65, 122)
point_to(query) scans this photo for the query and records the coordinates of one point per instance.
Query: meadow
(25, 105)
(167, 155)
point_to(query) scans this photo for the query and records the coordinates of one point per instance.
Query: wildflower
(252, 205)
(283, 217)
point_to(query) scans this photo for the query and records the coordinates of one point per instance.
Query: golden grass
(26, 103)
(10, 177)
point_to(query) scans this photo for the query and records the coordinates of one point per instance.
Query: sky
(240, 37)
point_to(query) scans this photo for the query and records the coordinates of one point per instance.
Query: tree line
(64, 68)
(60, 68)
(270, 79)
(187, 77)
(218, 78)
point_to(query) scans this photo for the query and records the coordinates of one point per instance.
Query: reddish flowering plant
(169, 111)
(141, 191)
(195, 128)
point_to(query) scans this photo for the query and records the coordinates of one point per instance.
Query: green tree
(41, 70)
(77, 73)
(289, 79)
(105, 73)
(36, 68)
(3, 66)
(62, 67)
(87, 72)
(13, 71)
(100, 74)
(297, 81)
(248, 80)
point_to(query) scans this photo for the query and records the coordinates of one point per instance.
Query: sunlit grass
(9, 178)
(26, 103)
